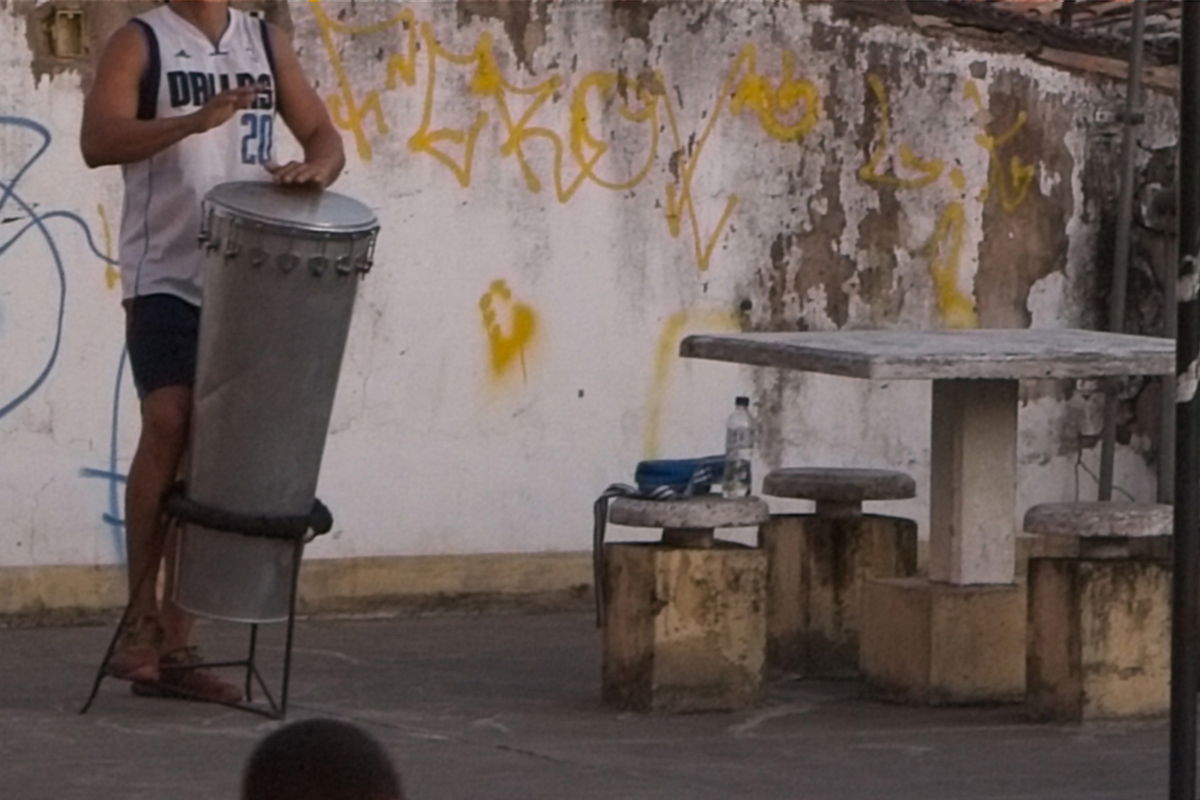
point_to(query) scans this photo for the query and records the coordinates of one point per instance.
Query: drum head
(298, 208)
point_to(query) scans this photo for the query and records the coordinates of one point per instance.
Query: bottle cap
(742, 401)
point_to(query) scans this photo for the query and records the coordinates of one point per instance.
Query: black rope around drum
(319, 520)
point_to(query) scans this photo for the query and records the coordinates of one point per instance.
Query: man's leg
(163, 438)
(165, 427)
(177, 623)
(162, 336)
(155, 464)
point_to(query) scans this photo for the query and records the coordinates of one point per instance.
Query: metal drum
(281, 274)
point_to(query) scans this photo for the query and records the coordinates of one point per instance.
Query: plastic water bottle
(739, 448)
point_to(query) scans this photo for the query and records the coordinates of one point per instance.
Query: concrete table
(973, 455)
(974, 431)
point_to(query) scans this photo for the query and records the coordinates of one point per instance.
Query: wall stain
(634, 17)
(100, 21)
(1024, 229)
(878, 232)
(814, 260)
(524, 21)
(872, 12)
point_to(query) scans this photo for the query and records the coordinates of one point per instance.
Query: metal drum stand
(297, 530)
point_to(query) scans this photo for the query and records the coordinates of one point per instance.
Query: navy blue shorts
(162, 334)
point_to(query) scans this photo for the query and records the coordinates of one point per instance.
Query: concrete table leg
(958, 637)
(935, 643)
(973, 482)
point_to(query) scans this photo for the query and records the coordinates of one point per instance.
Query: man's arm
(112, 133)
(306, 116)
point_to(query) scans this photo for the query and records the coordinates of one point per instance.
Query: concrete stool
(1099, 627)
(818, 563)
(684, 618)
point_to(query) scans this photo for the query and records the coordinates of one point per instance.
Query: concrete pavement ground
(507, 706)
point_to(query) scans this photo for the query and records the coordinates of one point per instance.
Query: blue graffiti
(37, 222)
(112, 517)
(8, 193)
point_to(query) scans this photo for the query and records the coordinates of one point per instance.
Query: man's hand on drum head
(318, 172)
(221, 107)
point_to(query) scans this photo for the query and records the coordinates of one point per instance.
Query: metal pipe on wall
(1131, 119)
(1166, 432)
(1187, 415)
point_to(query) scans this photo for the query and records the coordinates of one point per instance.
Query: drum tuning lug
(318, 265)
(257, 257)
(342, 265)
(231, 250)
(205, 225)
(368, 258)
(287, 261)
(211, 243)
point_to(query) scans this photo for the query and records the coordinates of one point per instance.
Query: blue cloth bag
(665, 478)
(660, 479)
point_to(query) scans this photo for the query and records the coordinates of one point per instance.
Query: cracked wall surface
(567, 189)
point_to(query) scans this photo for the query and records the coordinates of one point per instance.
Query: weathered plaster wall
(567, 188)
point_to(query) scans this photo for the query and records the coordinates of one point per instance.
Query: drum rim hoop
(222, 210)
(217, 199)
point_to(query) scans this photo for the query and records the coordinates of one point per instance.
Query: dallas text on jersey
(195, 88)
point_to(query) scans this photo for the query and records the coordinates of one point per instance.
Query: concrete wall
(567, 188)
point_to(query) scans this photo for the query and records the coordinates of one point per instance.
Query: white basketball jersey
(161, 218)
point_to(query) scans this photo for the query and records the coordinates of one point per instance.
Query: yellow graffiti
(345, 109)
(680, 199)
(428, 139)
(112, 276)
(930, 169)
(944, 249)
(510, 325)
(748, 90)
(649, 91)
(756, 93)
(945, 255)
(665, 359)
(786, 109)
(1015, 181)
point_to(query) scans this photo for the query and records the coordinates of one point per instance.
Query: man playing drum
(184, 98)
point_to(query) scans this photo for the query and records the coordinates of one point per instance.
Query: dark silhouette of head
(320, 759)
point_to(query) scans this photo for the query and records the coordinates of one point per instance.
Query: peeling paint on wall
(95, 22)
(566, 189)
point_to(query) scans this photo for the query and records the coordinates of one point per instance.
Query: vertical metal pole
(1166, 438)
(1132, 120)
(1187, 417)
(251, 667)
(298, 553)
